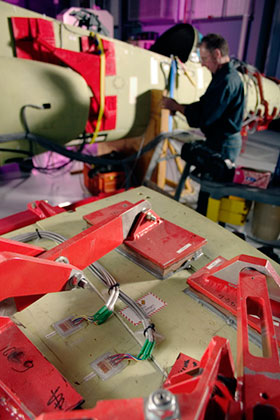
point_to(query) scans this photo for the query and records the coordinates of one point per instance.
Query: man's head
(214, 52)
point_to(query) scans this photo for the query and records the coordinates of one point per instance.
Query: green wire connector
(146, 351)
(102, 315)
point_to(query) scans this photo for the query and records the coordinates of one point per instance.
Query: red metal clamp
(217, 283)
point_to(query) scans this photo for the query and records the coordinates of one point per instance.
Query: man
(219, 112)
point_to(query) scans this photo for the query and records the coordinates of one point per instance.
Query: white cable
(101, 273)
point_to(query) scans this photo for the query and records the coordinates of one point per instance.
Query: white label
(154, 71)
(150, 303)
(183, 248)
(214, 263)
(133, 89)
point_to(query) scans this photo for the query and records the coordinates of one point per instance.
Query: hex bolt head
(162, 404)
(62, 259)
(77, 280)
(151, 217)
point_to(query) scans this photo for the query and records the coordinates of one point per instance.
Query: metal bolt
(162, 404)
(77, 280)
(82, 283)
(162, 398)
(62, 259)
(151, 217)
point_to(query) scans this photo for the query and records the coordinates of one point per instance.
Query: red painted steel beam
(110, 227)
(34, 276)
(31, 275)
(9, 245)
(258, 376)
(194, 394)
(217, 282)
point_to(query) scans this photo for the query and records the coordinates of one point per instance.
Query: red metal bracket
(43, 209)
(8, 245)
(39, 209)
(194, 393)
(34, 277)
(177, 245)
(258, 376)
(184, 368)
(36, 210)
(217, 283)
(31, 263)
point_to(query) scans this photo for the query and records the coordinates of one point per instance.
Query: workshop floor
(261, 152)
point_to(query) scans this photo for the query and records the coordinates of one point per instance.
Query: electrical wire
(82, 157)
(47, 168)
(106, 311)
(146, 351)
(131, 170)
(100, 49)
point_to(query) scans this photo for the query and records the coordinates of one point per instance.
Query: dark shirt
(219, 112)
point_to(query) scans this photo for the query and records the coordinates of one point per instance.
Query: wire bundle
(106, 311)
(146, 351)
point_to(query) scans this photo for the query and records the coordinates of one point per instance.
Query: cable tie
(38, 233)
(152, 326)
(113, 286)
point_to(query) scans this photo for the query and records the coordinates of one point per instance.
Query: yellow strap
(102, 88)
(186, 73)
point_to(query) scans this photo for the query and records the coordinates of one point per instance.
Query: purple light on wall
(48, 7)
(20, 3)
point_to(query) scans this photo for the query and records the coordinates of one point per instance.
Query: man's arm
(191, 112)
(172, 105)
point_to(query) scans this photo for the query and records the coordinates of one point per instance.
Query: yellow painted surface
(231, 217)
(213, 209)
(235, 204)
(231, 210)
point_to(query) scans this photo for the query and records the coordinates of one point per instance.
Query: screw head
(162, 404)
(62, 259)
(151, 217)
(77, 279)
(162, 398)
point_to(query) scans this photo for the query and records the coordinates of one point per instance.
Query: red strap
(35, 40)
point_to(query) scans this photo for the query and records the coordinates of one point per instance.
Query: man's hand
(172, 105)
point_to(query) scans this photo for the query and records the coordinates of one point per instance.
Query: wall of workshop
(261, 43)
(272, 63)
(227, 28)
